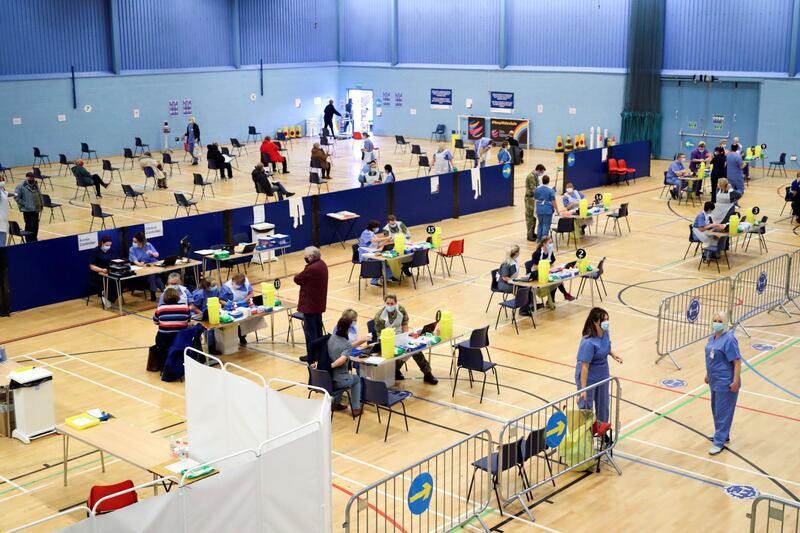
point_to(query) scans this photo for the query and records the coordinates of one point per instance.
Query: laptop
(388, 247)
(230, 248)
(168, 261)
(429, 328)
(248, 248)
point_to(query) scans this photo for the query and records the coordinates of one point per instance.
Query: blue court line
(671, 471)
(765, 378)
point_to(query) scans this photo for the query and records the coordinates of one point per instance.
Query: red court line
(644, 383)
(381, 513)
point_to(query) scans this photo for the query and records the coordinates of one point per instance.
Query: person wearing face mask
(503, 155)
(395, 316)
(3, 211)
(442, 160)
(571, 198)
(545, 251)
(192, 137)
(313, 299)
(388, 174)
(482, 148)
(370, 175)
(101, 260)
(675, 172)
(508, 270)
(394, 227)
(592, 365)
(339, 348)
(368, 242)
(531, 182)
(734, 170)
(237, 290)
(141, 254)
(206, 288)
(725, 204)
(29, 202)
(717, 170)
(723, 375)
(703, 224)
(546, 206)
(174, 280)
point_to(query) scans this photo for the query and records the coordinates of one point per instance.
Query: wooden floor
(668, 479)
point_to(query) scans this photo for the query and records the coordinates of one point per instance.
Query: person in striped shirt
(171, 318)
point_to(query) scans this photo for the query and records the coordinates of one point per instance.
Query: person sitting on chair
(544, 250)
(171, 317)
(146, 161)
(323, 158)
(174, 281)
(265, 179)
(370, 175)
(674, 174)
(237, 290)
(213, 154)
(270, 153)
(703, 224)
(339, 349)
(87, 179)
(141, 254)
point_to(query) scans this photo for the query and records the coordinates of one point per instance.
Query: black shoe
(214, 351)
(304, 358)
(286, 172)
(394, 279)
(242, 340)
(540, 306)
(429, 378)
(153, 296)
(398, 376)
(195, 163)
(674, 195)
(338, 407)
(406, 271)
(525, 312)
(289, 194)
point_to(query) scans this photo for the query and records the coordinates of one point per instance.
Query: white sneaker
(714, 450)
(106, 303)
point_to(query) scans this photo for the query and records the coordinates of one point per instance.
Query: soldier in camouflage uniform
(531, 182)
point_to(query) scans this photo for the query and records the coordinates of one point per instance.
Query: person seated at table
(395, 227)
(395, 316)
(87, 179)
(794, 197)
(572, 197)
(370, 175)
(171, 317)
(544, 250)
(206, 288)
(703, 224)
(267, 182)
(101, 260)
(352, 334)
(141, 254)
(237, 290)
(442, 160)
(213, 154)
(323, 158)
(675, 172)
(271, 154)
(146, 161)
(368, 242)
(368, 152)
(503, 155)
(388, 174)
(509, 269)
(174, 280)
(699, 155)
(339, 349)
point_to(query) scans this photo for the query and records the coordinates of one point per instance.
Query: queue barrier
(432, 494)
(760, 288)
(563, 436)
(793, 283)
(781, 515)
(685, 318)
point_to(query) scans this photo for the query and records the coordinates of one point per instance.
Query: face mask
(392, 224)
(717, 326)
(2, 185)
(604, 325)
(391, 308)
(570, 190)
(105, 247)
(550, 248)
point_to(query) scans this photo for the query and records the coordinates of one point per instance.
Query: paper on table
(136, 267)
(181, 465)
(204, 252)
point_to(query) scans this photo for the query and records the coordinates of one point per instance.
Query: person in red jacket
(313, 282)
(271, 154)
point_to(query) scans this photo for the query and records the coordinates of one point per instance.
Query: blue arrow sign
(420, 493)
(556, 429)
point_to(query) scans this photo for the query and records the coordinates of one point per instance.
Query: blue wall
(221, 104)
(366, 31)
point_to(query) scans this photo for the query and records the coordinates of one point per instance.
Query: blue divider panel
(203, 230)
(278, 213)
(367, 202)
(636, 155)
(496, 191)
(414, 204)
(585, 169)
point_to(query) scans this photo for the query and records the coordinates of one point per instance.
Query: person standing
(503, 155)
(368, 152)
(192, 137)
(482, 148)
(29, 202)
(531, 182)
(328, 113)
(312, 302)
(442, 160)
(546, 206)
(723, 375)
(101, 260)
(348, 114)
(3, 211)
(734, 170)
(717, 170)
(592, 366)
(699, 155)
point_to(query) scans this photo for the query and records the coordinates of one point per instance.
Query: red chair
(357, 135)
(614, 170)
(622, 165)
(112, 504)
(454, 249)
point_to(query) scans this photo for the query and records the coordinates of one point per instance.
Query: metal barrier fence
(538, 447)
(433, 494)
(685, 318)
(783, 514)
(793, 283)
(762, 287)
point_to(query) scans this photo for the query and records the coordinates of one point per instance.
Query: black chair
(379, 395)
(472, 359)
(264, 189)
(139, 145)
(620, 213)
(97, 212)
(459, 145)
(315, 178)
(212, 165)
(479, 338)
(666, 186)
(38, 155)
(723, 244)
(182, 201)
(327, 146)
(149, 174)
(759, 230)
(692, 240)
(108, 168)
(166, 158)
(418, 261)
(282, 149)
(416, 151)
(238, 146)
(423, 163)
(3, 171)
(224, 150)
(49, 204)
(132, 193)
(522, 299)
(494, 288)
(469, 155)
(780, 164)
(78, 187)
(251, 132)
(400, 142)
(565, 226)
(127, 155)
(15, 231)
(42, 177)
(595, 276)
(88, 151)
(787, 197)
(369, 271)
(354, 260)
(438, 133)
(64, 162)
(199, 182)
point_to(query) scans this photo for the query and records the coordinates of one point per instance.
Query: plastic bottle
(387, 343)
(543, 270)
(583, 207)
(733, 224)
(446, 325)
(173, 446)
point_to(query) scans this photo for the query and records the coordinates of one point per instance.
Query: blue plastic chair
(379, 395)
(472, 359)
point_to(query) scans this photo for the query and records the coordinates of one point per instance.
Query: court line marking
(672, 469)
(16, 486)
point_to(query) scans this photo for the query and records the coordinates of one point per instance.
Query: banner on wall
(398, 99)
(502, 128)
(441, 98)
(476, 128)
(500, 102)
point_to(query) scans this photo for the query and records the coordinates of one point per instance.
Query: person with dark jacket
(717, 170)
(29, 202)
(192, 137)
(313, 282)
(87, 179)
(265, 182)
(101, 260)
(322, 158)
(215, 155)
(328, 113)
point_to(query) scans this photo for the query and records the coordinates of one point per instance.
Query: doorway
(362, 109)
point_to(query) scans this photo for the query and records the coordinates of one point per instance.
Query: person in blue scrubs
(482, 148)
(723, 375)
(572, 197)
(388, 174)
(545, 198)
(504, 156)
(141, 254)
(734, 169)
(675, 172)
(368, 151)
(592, 366)
(368, 242)
(206, 288)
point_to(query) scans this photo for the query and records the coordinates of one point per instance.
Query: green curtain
(641, 115)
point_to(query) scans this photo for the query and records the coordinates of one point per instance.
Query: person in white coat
(442, 160)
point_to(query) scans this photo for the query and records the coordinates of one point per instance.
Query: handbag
(155, 359)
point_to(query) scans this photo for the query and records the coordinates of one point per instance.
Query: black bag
(155, 359)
